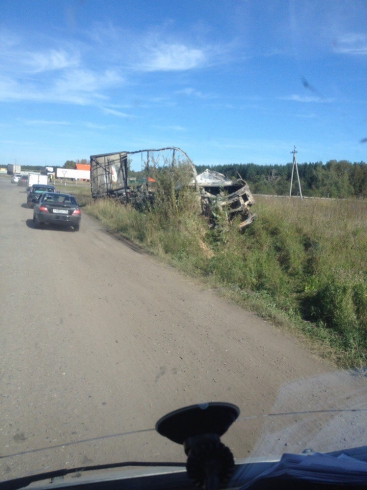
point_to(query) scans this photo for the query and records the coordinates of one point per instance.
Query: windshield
(59, 199)
(163, 302)
(38, 190)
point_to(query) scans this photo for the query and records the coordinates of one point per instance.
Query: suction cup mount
(199, 428)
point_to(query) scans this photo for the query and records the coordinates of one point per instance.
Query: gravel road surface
(99, 339)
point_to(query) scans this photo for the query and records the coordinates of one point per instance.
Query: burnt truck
(223, 196)
(109, 172)
(219, 195)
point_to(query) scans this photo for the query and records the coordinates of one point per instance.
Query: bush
(332, 304)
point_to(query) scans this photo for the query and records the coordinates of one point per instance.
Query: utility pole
(295, 166)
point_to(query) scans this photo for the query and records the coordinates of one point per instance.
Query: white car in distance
(15, 178)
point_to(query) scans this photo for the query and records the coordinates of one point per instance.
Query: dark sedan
(23, 181)
(56, 209)
(35, 192)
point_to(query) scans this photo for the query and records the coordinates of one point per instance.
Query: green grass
(301, 264)
(80, 191)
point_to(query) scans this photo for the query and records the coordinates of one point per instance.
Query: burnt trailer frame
(104, 165)
(101, 181)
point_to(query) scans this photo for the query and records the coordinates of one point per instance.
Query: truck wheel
(76, 227)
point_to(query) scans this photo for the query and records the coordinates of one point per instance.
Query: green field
(302, 263)
(80, 190)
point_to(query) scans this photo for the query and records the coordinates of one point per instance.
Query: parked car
(36, 190)
(23, 181)
(56, 209)
(15, 178)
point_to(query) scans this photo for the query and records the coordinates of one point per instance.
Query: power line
(295, 166)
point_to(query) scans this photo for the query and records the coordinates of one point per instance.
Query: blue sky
(228, 81)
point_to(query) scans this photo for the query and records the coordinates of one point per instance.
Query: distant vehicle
(14, 169)
(35, 191)
(47, 170)
(56, 209)
(15, 178)
(37, 179)
(23, 181)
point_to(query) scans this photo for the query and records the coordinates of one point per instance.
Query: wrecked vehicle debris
(219, 194)
(109, 175)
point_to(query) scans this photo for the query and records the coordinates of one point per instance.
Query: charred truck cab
(219, 194)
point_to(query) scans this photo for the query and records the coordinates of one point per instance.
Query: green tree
(69, 164)
(336, 179)
(358, 179)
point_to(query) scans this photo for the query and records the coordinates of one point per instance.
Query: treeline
(338, 179)
(67, 164)
(72, 163)
(32, 168)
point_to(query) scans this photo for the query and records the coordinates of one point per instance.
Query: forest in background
(335, 179)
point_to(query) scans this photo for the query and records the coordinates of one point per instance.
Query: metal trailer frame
(101, 170)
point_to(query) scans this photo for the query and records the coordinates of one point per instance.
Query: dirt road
(98, 339)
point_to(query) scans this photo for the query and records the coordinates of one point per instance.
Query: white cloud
(305, 98)
(114, 112)
(171, 57)
(75, 86)
(353, 44)
(80, 81)
(18, 58)
(85, 86)
(12, 90)
(61, 72)
(50, 60)
(158, 48)
(188, 91)
(191, 92)
(57, 73)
